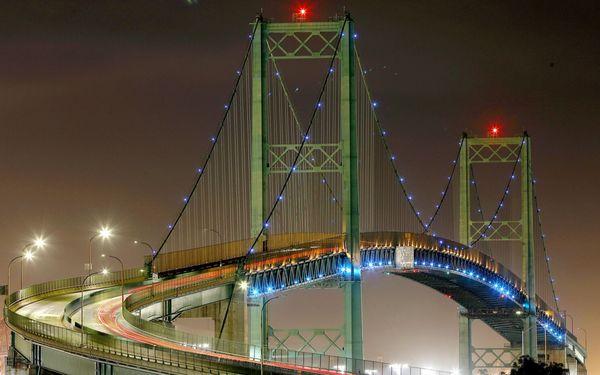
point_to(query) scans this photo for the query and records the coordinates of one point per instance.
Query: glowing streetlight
(27, 255)
(104, 233)
(39, 242)
(243, 285)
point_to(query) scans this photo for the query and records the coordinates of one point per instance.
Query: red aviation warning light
(494, 130)
(301, 14)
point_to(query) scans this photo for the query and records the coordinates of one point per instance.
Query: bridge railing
(280, 357)
(171, 261)
(74, 283)
(165, 359)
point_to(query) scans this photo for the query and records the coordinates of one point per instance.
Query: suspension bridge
(290, 197)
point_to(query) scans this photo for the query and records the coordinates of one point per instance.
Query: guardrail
(173, 361)
(172, 289)
(74, 284)
(197, 353)
(105, 347)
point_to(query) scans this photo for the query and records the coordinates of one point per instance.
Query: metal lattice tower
(268, 45)
(516, 150)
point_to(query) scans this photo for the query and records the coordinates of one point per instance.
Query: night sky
(106, 108)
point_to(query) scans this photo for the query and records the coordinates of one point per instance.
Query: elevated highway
(139, 335)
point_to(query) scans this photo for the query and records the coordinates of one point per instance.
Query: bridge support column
(167, 310)
(350, 223)
(465, 361)
(353, 341)
(257, 324)
(259, 148)
(36, 355)
(236, 325)
(104, 369)
(529, 326)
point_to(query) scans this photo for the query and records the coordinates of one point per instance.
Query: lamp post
(584, 337)
(38, 243)
(572, 321)
(149, 268)
(9, 267)
(104, 233)
(264, 331)
(122, 275)
(104, 272)
(26, 255)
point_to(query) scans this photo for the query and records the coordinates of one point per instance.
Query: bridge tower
(263, 45)
(493, 151)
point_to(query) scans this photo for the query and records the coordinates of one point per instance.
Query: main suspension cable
(450, 178)
(386, 146)
(543, 240)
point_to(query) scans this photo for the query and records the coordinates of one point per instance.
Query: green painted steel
(528, 252)
(311, 40)
(486, 151)
(350, 221)
(315, 158)
(316, 340)
(259, 145)
(465, 347)
(504, 150)
(254, 324)
(464, 193)
(302, 40)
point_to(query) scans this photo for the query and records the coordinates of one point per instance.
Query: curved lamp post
(104, 233)
(27, 255)
(264, 329)
(122, 275)
(584, 337)
(149, 268)
(104, 272)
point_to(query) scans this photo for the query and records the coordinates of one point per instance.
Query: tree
(528, 366)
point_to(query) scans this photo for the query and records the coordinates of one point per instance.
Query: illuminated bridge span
(295, 195)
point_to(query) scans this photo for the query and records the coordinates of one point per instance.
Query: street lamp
(122, 274)
(9, 267)
(584, 337)
(38, 243)
(149, 267)
(572, 321)
(265, 331)
(26, 254)
(104, 233)
(104, 272)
